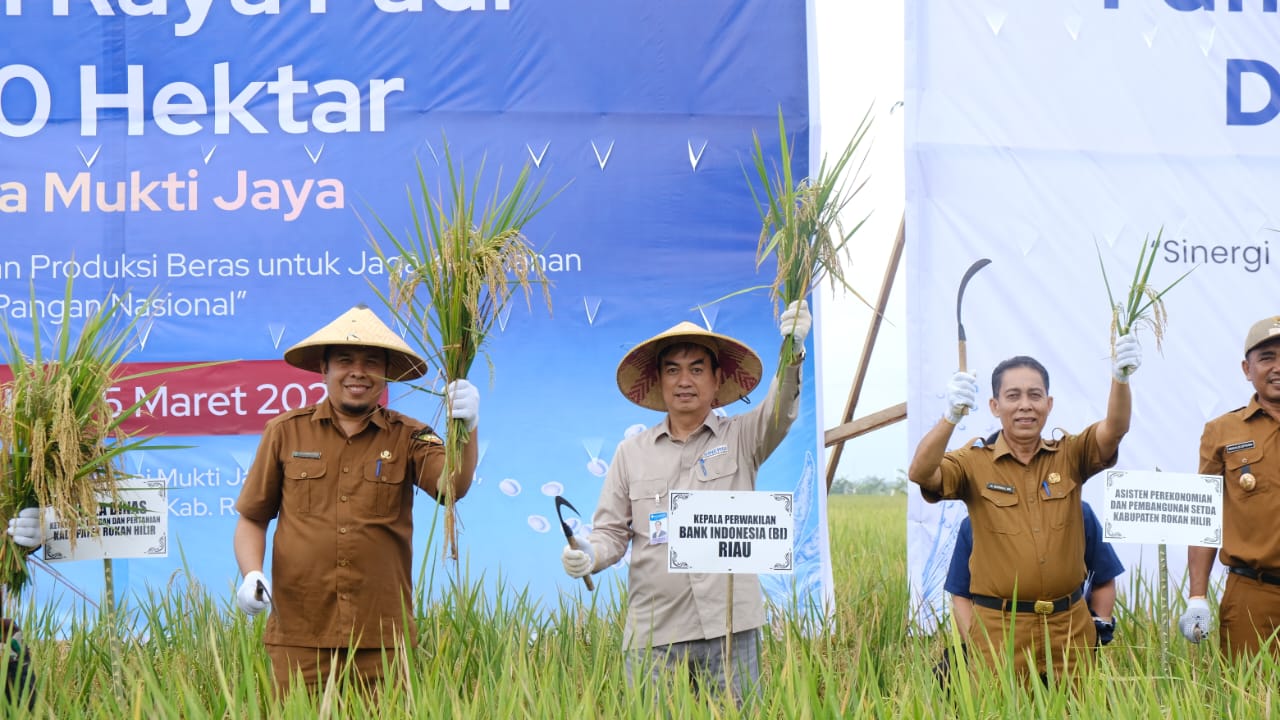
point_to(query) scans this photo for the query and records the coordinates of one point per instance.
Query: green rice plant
(62, 439)
(800, 226)
(1143, 304)
(460, 265)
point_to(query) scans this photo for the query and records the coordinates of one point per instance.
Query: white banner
(731, 532)
(1042, 135)
(1162, 508)
(135, 525)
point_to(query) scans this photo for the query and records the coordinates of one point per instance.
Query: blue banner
(218, 166)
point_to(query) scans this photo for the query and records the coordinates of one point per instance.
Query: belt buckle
(1044, 607)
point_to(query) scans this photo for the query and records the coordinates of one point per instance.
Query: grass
(183, 652)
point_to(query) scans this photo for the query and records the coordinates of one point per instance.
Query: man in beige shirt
(676, 622)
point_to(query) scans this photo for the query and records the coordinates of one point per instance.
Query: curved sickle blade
(964, 282)
(561, 503)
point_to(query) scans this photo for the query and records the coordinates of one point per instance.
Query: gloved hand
(25, 528)
(247, 597)
(462, 402)
(796, 321)
(1127, 358)
(962, 396)
(1106, 630)
(1197, 621)
(578, 562)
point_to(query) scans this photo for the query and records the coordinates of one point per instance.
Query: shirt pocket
(1057, 511)
(648, 496)
(300, 476)
(1236, 466)
(384, 487)
(722, 467)
(1000, 510)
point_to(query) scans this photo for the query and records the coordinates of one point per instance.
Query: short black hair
(1017, 361)
(686, 346)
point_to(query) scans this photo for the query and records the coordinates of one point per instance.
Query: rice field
(502, 657)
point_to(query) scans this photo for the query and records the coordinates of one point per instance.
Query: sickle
(561, 503)
(964, 282)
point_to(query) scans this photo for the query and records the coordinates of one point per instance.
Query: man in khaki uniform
(1023, 496)
(1243, 446)
(338, 477)
(676, 622)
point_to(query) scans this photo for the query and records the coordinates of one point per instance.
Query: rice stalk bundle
(800, 221)
(459, 266)
(1143, 304)
(60, 439)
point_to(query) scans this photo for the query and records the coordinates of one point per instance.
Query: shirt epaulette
(428, 436)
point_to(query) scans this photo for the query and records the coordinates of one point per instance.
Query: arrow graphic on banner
(695, 158)
(432, 150)
(503, 316)
(207, 155)
(315, 157)
(537, 159)
(1150, 35)
(592, 306)
(1073, 26)
(709, 319)
(1206, 40)
(277, 332)
(602, 161)
(995, 20)
(88, 161)
(143, 332)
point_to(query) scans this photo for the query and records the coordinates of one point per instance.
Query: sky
(859, 67)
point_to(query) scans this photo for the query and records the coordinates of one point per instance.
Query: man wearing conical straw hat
(677, 622)
(338, 477)
(1243, 446)
(1023, 494)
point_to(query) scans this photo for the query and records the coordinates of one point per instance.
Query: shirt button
(342, 562)
(1035, 529)
(304, 474)
(343, 596)
(1041, 561)
(346, 469)
(343, 531)
(343, 498)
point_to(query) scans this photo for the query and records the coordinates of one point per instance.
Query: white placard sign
(1158, 507)
(135, 525)
(731, 532)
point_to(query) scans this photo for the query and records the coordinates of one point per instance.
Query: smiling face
(1262, 368)
(1022, 403)
(355, 377)
(690, 380)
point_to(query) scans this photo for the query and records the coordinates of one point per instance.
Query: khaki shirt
(341, 557)
(1028, 525)
(724, 454)
(1246, 438)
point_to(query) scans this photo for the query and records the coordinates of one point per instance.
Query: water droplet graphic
(509, 487)
(633, 430)
(721, 412)
(539, 523)
(598, 467)
(573, 523)
(552, 489)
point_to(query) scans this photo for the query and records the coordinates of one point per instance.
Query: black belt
(1264, 576)
(1042, 607)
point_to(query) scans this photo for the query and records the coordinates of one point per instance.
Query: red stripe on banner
(232, 398)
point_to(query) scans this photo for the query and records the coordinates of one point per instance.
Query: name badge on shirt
(306, 455)
(1000, 488)
(1237, 447)
(713, 452)
(657, 528)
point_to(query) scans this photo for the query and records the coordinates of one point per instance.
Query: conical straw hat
(358, 326)
(638, 377)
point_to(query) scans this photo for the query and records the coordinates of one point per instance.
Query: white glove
(462, 402)
(1127, 358)
(1197, 621)
(25, 528)
(796, 321)
(578, 562)
(962, 395)
(249, 599)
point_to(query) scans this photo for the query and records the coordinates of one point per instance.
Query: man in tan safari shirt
(676, 623)
(1243, 446)
(1023, 497)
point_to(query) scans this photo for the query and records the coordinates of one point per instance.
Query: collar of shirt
(1253, 409)
(712, 422)
(324, 411)
(1000, 447)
